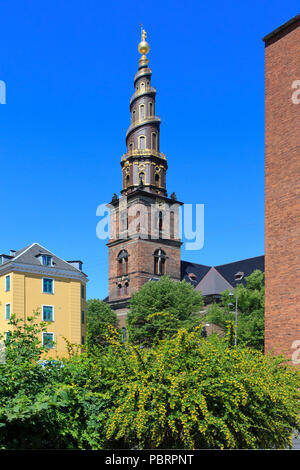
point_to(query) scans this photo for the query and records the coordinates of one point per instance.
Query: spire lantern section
(143, 165)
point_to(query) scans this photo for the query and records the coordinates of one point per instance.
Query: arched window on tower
(122, 263)
(150, 108)
(160, 224)
(142, 142)
(157, 180)
(127, 181)
(142, 112)
(159, 262)
(133, 115)
(154, 140)
(172, 228)
(142, 179)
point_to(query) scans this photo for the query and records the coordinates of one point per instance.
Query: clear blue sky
(69, 65)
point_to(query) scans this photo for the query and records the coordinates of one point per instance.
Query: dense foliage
(183, 392)
(99, 315)
(160, 308)
(251, 311)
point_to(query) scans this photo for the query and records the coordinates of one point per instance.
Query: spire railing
(137, 152)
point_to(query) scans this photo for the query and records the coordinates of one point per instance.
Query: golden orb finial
(143, 46)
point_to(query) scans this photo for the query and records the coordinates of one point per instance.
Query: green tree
(99, 316)
(251, 311)
(160, 308)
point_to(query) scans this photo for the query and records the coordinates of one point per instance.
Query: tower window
(142, 178)
(160, 224)
(133, 115)
(142, 142)
(156, 180)
(150, 108)
(172, 231)
(142, 112)
(122, 263)
(154, 141)
(126, 288)
(120, 289)
(159, 262)
(127, 181)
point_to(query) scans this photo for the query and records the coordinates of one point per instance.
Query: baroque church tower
(144, 241)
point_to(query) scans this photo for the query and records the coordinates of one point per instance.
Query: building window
(120, 289)
(160, 224)
(133, 115)
(172, 228)
(48, 286)
(48, 340)
(142, 142)
(150, 108)
(142, 112)
(82, 340)
(122, 263)
(142, 178)
(7, 336)
(126, 288)
(157, 180)
(48, 313)
(82, 291)
(127, 181)
(154, 140)
(46, 260)
(159, 262)
(7, 311)
(82, 317)
(7, 283)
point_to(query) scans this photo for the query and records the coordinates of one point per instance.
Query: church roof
(213, 280)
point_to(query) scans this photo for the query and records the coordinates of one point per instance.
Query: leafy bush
(183, 392)
(160, 308)
(251, 311)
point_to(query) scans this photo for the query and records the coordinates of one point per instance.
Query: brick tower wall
(282, 190)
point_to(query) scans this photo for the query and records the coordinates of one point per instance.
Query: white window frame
(48, 333)
(53, 285)
(8, 277)
(53, 311)
(9, 311)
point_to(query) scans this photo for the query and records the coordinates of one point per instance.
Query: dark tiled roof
(209, 276)
(213, 283)
(247, 266)
(193, 268)
(29, 256)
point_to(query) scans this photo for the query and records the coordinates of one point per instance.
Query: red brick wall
(282, 192)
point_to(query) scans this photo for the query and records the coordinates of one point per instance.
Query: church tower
(144, 241)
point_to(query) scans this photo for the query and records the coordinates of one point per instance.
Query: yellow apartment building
(34, 279)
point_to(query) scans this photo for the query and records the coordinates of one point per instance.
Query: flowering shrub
(183, 392)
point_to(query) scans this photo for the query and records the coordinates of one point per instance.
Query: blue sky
(69, 67)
